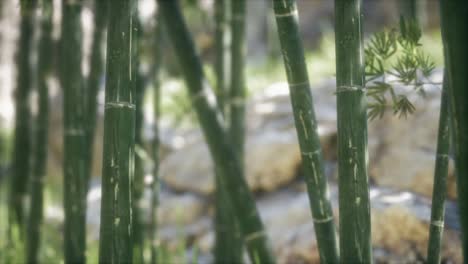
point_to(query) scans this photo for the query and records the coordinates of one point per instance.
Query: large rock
(176, 212)
(400, 226)
(402, 150)
(272, 153)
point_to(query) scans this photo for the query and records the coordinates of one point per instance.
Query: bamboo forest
(233, 131)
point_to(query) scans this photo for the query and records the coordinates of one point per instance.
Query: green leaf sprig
(395, 53)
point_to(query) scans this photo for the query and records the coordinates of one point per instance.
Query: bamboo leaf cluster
(396, 54)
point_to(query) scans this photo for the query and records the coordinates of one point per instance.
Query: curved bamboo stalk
(44, 65)
(454, 18)
(116, 232)
(439, 190)
(221, 149)
(306, 127)
(74, 164)
(22, 143)
(354, 204)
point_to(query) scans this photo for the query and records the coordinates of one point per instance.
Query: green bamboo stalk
(228, 246)
(439, 190)
(221, 20)
(95, 75)
(138, 183)
(158, 54)
(74, 164)
(354, 204)
(306, 127)
(409, 8)
(454, 18)
(237, 85)
(22, 143)
(237, 92)
(40, 154)
(414, 10)
(222, 151)
(116, 245)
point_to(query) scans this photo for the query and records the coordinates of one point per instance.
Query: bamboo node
(120, 105)
(38, 179)
(440, 155)
(253, 236)
(238, 17)
(205, 93)
(74, 132)
(438, 223)
(311, 153)
(348, 88)
(288, 14)
(324, 220)
(291, 85)
(237, 101)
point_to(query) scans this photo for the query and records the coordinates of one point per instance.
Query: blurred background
(401, 150)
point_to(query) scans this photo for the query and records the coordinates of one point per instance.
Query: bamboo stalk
(221, 148)
(158, 54)
(409, 8)
(306, 127)
(74, 164)
(454, 18)
(439, 190)
(354, 204)
(95, 74)
(228, 245)
(237, 94)
(138, 183)
(22, 143)
(40, 154)
(221, 32)
(237, 87)
(116, 232)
